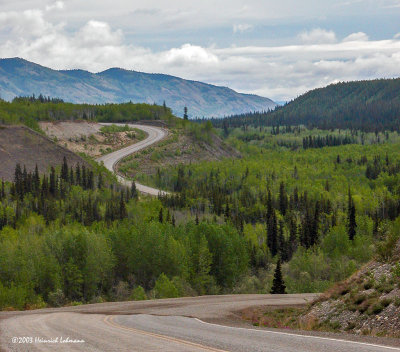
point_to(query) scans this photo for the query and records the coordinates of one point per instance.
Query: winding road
(154, 135)
(208, 323)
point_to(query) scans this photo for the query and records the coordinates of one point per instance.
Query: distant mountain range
(19, 77)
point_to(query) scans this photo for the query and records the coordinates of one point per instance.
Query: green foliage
(138, 294)
(164, 288)
(29, 111)
(365, 105)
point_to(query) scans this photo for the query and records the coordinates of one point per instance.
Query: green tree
(278, 285)
(164, 287)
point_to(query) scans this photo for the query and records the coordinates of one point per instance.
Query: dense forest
(30, 110)
(323, 211)
(366, 105)
(76, 236)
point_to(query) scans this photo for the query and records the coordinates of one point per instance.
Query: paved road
(165, 325)
(154, 135)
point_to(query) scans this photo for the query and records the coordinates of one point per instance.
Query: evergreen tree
(133, 190)
(100, 181)
(3, 190)
(36, 179)
(282, 199)
(351, 218)
(278, 285)
(161, 216)
(65, 170)
(53, 184)
(78, 175)
(122, 207)
(185, 113)
(272, 233)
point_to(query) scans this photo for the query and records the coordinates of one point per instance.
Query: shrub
(56, 298)
(376, 308)
(360, 298)
(385, 302)
(138, 294)
(164, 288)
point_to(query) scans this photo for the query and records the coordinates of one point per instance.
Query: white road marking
(303, 336)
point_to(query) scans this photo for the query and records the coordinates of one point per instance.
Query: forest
(30, 110)
(317, 204)
(367, 106)
(323, 211)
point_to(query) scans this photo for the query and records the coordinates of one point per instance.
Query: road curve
(166, 325)
(154, 135)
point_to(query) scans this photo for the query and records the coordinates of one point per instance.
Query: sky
(277, 49)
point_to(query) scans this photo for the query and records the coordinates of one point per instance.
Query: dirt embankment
(19, 144)
(89, 137)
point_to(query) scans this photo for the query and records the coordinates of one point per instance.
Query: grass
(134, 133)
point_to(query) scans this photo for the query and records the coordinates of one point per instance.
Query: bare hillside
(19, 144)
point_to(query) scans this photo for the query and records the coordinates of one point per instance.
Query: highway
(208, 323)
(154, 135)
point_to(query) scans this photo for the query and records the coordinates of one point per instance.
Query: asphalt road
(183, 324)
(154, 135)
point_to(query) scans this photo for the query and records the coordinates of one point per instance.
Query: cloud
(96, 33)
(318, 36)
(189, 54)
(29, 23)
(241, 28)
(397, 36)
(58, 5)
(279, 72)
(356, 37)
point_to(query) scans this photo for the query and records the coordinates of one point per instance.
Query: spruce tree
(36, 179)
(133, 190)
(161, 216)
(278, 285)
(3, 191)
(351, 218)
(122, 207)
(64, 170)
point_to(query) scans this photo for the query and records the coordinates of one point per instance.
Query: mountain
(365, 105)
(19, 77)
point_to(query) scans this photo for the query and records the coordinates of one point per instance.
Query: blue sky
(278, 49)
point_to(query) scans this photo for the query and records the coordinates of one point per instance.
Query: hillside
(19, 144)
(365, 105)
(368, 302)
(19, 77)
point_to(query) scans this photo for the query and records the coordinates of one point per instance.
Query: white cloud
(356, 37)
(318, 36)
(189, 54)
(280, 72)
(58, 5)
(96, 33)
(241, 28)
(29, 23)
(397, 36)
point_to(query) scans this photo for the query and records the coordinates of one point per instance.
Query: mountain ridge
(115, 85)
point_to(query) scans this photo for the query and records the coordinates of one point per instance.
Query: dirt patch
(88, 137)
(19, 144)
